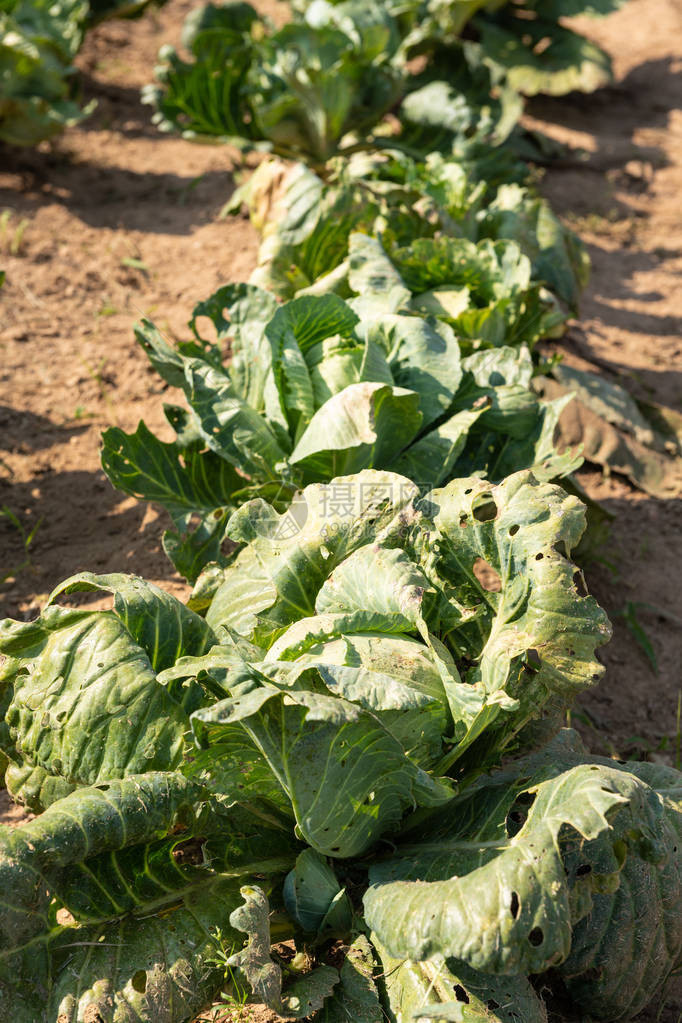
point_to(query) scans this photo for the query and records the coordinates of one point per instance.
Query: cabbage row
(349, 738)
(400, 293)
(399, 121)
(525, 47)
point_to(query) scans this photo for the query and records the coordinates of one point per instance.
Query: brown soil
(114, 191)
(625, 200)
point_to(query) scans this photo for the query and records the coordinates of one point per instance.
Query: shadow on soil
(69, 538)
(21, 430)
(643, 99)
(585, 186)
(113, 197)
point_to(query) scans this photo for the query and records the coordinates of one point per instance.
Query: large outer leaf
(614, 433)
(533, 636)
(240, 313)
(424, 356)
(91, 708)
(102, 853)
(570, 62)
(347, 777)
(159, 623)
(443, 990)
(80, 689)
(516, 864)
(629, 942)
(229, 426)
(152, 470)
(155, 970)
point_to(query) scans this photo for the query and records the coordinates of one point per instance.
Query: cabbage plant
(313, 390)
(315, 760)
(306, 223)
(526, 41)
(298, 91)
(38, 42)
(321, 87)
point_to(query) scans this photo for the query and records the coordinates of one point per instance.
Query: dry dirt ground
(120, 222)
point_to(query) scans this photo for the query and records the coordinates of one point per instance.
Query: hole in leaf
(514, 905)
(518, 813)
(532, 660)
(461, 995)
(536, 937)
(492, 1005)
(539, 557)
(487, 576)
(485, 509)
(189, 852)
(583, 870)
(139, 981)
(513, 530)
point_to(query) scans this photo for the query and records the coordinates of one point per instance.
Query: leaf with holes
(79, 689)
(116, 894)
(524, 871)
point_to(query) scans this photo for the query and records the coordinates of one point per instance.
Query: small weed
(107, 308)
(638, 632)
(185, 191)
(11, 236)
(232, 1006)
(671, 745)
(27, 539)
(80, 412)
(135, 264)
